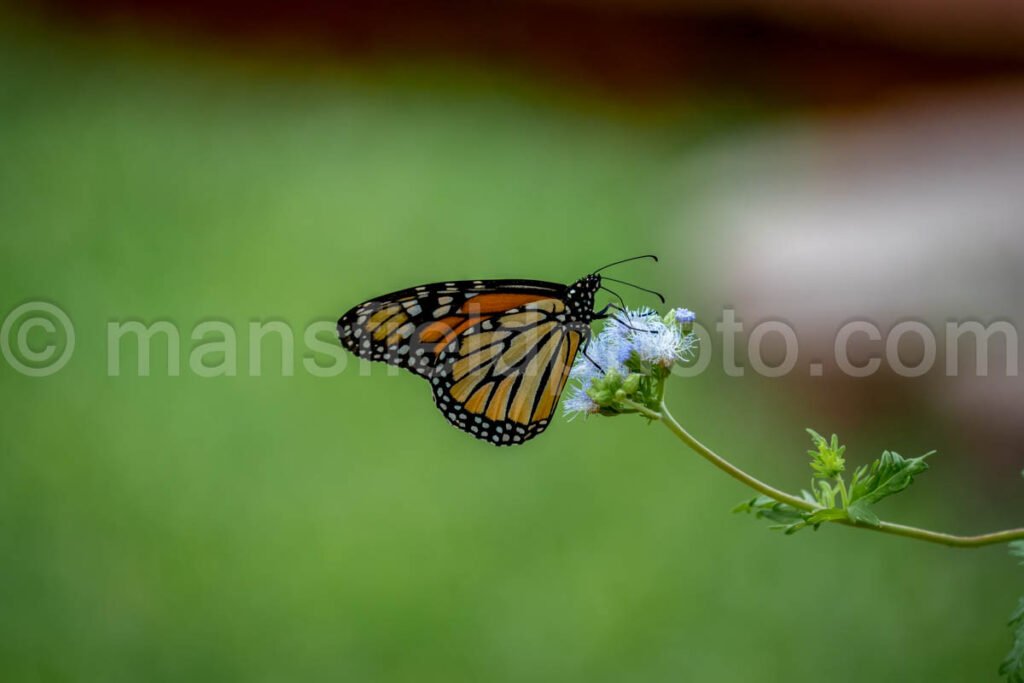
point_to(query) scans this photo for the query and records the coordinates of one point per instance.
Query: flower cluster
(627, 363)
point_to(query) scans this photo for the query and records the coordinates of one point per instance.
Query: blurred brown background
(809, 53)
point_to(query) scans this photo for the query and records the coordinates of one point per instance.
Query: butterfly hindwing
(501, 381)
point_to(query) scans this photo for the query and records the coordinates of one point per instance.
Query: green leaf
(1013, 666)
(786, 517)
(888, 475)
(790, 529)
(860, 512)
(826, 494)
(829, 515)
(1017, 550)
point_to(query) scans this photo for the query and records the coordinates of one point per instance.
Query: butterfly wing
(410, 327)
(497, 353)
(500, 380)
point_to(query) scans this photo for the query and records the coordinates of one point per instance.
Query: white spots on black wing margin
(495, 432)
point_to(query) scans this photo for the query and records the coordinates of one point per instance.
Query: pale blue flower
(629, 326)
(633, 342)
(600, 357)
(645, 334)
(684, 316)
(578, 402)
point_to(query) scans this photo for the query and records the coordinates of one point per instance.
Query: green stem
(665, 417)
(842, 491)
(718, 461)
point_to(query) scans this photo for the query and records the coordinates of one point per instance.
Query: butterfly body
(497, 353)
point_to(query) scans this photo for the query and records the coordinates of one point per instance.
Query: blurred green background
(283, 528)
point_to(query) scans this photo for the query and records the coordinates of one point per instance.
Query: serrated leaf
(858, 474)
(778, 512)
(888, 475)
(819, 439)
(1017, 550)
(1013, 666)
(829, 515)
(752, 504)
(786, 517)
(826, 494)
(860, 512)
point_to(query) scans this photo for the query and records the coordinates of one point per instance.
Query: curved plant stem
(665, 417)
(718, 461)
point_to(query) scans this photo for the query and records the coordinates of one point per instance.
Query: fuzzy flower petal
(579, 403)
(688, 347)
(649, 337)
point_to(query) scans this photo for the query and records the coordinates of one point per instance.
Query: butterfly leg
(592, 361)
(620, 321)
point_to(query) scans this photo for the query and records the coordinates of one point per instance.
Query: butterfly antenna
(642, 289)
(627, 260)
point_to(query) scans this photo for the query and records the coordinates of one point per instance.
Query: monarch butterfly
(497, 353)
